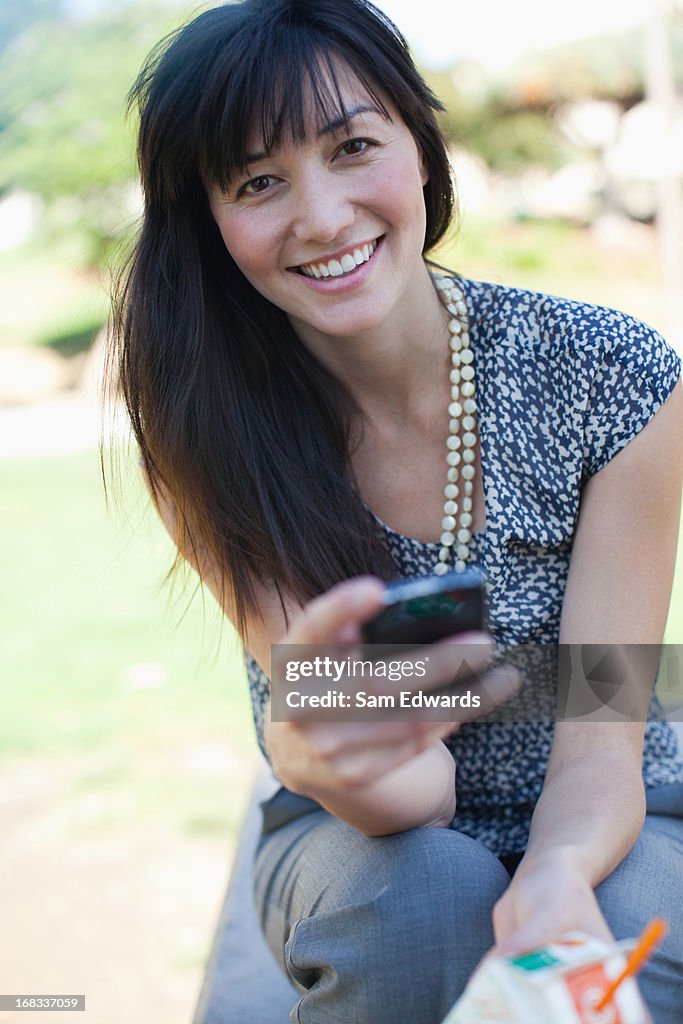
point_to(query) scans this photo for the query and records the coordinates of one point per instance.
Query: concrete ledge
(242, 982)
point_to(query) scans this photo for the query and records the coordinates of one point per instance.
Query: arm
(592, 807)
(378, 778)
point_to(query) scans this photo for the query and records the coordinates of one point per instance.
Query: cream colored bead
(454, 378)
(447, 538)
(469, 423)
(468, 455)
(453, 476)
(444, 284)
(455, 343)
(464, 536)
(455, 395)
(467, 508)
(453, 409)
(467, 355)
(453, 459)
(467, 472)
(453, 442)
(467, 372)
(456, 359)
(469, 439)
(462, 551)
(455, 327)
(470, 406)
(465, 520)
(451, 507)
(451, 491)
(460, 566)
(440, 569)
(445, 554)
(448, 523)
(454, 426)
(467, 389)
(468, 486)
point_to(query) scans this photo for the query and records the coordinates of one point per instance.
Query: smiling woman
(330, 228)
(319, 408)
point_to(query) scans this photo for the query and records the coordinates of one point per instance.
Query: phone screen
(416, 615)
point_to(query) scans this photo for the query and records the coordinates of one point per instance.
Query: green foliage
(18, 15)
(509, 140)
(601, 67)
(63, 88)
(485, 120)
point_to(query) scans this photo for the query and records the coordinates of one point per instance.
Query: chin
(352, 328)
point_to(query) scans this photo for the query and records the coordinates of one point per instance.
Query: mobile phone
(423, 609)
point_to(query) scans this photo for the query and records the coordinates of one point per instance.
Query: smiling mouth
(345, 265)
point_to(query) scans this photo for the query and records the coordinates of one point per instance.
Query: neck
(393, 369)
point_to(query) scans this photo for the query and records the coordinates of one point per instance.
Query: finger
(365, 765)
(328, 616)
(495, 687)
(456, 658)
(331, 740)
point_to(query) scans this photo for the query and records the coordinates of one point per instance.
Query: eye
(356, 147)
(256, 186)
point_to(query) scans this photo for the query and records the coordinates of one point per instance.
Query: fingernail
(364, 592)
(476, 638)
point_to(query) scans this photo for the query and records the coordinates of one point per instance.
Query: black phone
(423, 609)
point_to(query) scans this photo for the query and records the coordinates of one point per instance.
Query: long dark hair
(237, 423)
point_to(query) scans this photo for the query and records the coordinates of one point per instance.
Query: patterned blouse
(561, 388)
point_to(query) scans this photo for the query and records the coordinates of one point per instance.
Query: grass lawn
(99, 663)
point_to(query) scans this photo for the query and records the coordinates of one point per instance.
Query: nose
(323, 208)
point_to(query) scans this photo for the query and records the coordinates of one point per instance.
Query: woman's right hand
(321, 759)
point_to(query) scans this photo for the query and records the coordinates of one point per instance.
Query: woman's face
(331, 229)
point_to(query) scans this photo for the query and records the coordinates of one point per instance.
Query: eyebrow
(327, 129)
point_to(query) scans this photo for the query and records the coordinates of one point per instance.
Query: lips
(343, 264)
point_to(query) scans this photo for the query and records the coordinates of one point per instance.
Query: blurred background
(126, 746)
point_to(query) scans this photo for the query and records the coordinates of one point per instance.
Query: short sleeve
(636, 371)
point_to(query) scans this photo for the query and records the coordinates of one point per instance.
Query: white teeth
(345, 265)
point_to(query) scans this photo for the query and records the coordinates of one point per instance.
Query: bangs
(283, 88)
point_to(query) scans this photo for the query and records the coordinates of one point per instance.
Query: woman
(293, 369)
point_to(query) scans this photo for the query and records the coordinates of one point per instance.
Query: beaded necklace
(457, 509)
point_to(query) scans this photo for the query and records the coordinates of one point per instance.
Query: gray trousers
(383, 930)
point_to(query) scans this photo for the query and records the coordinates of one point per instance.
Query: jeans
(379, 930)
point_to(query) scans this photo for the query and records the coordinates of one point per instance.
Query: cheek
(402, 197)
(247, 242)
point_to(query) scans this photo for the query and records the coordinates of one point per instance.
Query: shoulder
(543, 324)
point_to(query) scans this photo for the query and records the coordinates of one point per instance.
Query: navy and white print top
(561, 388)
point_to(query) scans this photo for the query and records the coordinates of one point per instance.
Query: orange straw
(651, 937)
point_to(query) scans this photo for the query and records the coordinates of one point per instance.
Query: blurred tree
(16, 17)
(63, 87)
(491, 121)
(509, 119)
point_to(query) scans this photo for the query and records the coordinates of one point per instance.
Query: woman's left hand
(547, 898)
